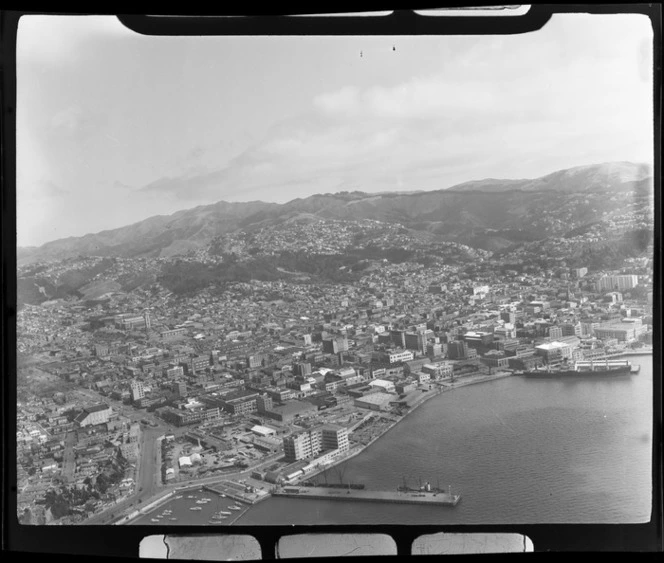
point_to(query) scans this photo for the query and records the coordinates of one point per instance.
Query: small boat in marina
(153, 520)
(195, 508)
(173, 519)
(178, 497)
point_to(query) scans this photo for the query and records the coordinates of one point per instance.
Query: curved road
(148, 482)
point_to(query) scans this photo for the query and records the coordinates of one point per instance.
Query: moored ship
(606, 368)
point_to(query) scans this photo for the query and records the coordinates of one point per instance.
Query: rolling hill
(487, 213)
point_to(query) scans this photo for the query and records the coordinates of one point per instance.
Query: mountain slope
(487, 213)
(609, 176)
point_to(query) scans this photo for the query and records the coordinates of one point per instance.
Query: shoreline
(441, 388)
(426, 398)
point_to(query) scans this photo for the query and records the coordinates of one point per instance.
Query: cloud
(575, 96)
(63, 40)
(40, 191)
(187, 186)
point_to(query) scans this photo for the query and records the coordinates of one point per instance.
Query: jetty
(237, 492)
(362, 495)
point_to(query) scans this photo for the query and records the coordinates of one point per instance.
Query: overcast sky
(114, 127)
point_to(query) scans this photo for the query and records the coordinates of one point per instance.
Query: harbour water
(518, 450)
(177, 511)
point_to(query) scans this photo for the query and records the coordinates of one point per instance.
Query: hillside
(490, 214)
(610, 176)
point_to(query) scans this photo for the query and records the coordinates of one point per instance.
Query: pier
(321, 493)
(237, 492)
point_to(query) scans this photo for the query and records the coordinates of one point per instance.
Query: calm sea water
(519, 451)
(182, 515)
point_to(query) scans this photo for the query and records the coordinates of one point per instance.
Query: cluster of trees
(63, 501)
(68, 283)
(612, 253)
(187, 277)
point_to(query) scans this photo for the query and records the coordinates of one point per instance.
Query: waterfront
(180, 504)
(519, 451)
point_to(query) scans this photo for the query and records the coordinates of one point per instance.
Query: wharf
(320, 493)
(236, 491)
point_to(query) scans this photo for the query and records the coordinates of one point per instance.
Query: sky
(114, 127)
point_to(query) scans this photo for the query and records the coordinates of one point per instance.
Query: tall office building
(335, 438)
(508, 317)
(617, 282)
(148, 321)
(137, 390)
(335, 345)
(457, 350)
(555, 332)
(398, 338)
(416, 341)
(302, 445)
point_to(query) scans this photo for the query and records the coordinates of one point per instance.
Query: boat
(153, 520)
(191, 496)
(235, 507)
(224, 512)
(179, 496)
(606, 368)
(173, 519)
(427, 490)
(195, 508)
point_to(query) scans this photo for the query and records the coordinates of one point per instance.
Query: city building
(97, 414)
(457, 350)
(553, 352)
(623, 332)
(335, 437)
(376, 401)
(617, 282)
(335, 345)
(137, 390)
(173, 333)
(555, 332)
(303, 445)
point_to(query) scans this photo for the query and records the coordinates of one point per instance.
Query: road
(69, 457)
(148, 480)
(151, 491)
